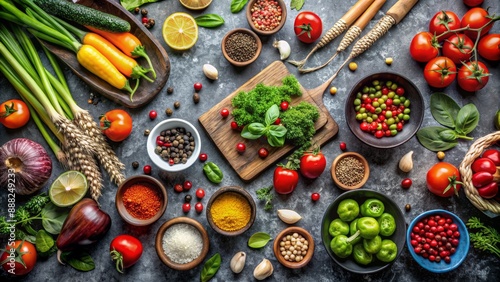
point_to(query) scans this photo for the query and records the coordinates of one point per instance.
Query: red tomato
(473, 3)
(476, 18)
(440, 21)
(200, 193)
(308, 26)
(285, 180)
(125, 251)
(443, 179)
(489, 47)
(484, 164)
(224, 112)
(24, 259)
(440, 72)
(14, 113)
(263, 153)
(241, 147)
(458, 48)
(312, 164)
(116, 125)
(424, 47)
(473, 76)
(493, 155)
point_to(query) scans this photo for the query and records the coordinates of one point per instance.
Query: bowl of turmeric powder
(231, 211)
(141, 200)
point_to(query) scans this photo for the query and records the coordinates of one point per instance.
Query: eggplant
(86, 223)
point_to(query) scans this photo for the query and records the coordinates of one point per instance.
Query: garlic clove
(289, 216)
(283, 48)
(263, 270)
(238, 262)
(210, 72)
(406, 162)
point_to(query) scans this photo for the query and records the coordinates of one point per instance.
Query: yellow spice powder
(230, 211)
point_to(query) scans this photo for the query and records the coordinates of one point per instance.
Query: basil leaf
(53, 218)
(209, 20)
(237, 5)
(213, 172)
(444, 109)
(131, 4)
(430, 139)
(448, 135)
(210, 268)
(258, 240)
(245, 133)
(296, 4)
(44, 242)
(275, 141)
(277, 130)
(272, 114)
(257, 128)
(79, 260)
(467, 119)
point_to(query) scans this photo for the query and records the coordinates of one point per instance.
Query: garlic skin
(210, 72)
(238, 262)
(289, 216)
(283, 48)
(406, 162)
(263, 270)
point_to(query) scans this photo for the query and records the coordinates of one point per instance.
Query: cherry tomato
(424, 47)
(476, 18)
(224, 113)
(285, 180)
(473, 76)
(234, 125)
(440, 21)
(197, 86)
(153, 114)
(198, 207)
(308, 26)
(187, 185)
(147, 169)
(440, 72)
(284, 105)
(489, 47)
(312, 164)
(473, 3)
(343, 146)
(493, 155)
(116, 125)
(186, 207)
(14, 113)
(315, 197)
(263, 153)
(489, 191)
(406, 183)
(125, 251)
(241, 147)
(458, 48)
(484, 164)
(24, 260)
(442, 179)
(200, 193)
(178, 188)
(277, 121)
(203, 157)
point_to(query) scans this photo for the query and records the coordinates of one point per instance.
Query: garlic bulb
(289, 216)
(238, 262)
(210, 72)
(263, 270)
(283, 47)
(406, 162)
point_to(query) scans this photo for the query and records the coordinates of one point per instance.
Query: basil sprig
(296, 4)
(213, 172)
(209, 20)
(237, 5)
(258, 240)
(275, 133)
(210, 268)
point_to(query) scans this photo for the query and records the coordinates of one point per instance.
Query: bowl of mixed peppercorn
(241, 47)
(266, 17)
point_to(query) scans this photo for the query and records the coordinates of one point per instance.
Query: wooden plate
(159, 58)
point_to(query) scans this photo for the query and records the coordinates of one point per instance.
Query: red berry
(315, 197)
(234, 125)
(241, 147)
(198, 207)
(400, 91)
(145, 19)
(178, 188)
(406, 183)
(197, 86)
(343, 146)
(147, 169)
(224, 112)
(152, 114)
(186, 207)
(203, 157)
(263, 153)
(277, 121)
(284, 105)
(200, 193)
(187, 185)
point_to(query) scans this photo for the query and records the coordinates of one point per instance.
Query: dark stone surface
(385, 177)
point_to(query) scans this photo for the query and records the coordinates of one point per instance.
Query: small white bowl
(170, 124)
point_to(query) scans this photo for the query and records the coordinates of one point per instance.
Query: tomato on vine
(458, 48)
(473, 76)
(308, 26)
(476, 18)
(441, 22)
(440, 72)
(424, 47)
(489, 47)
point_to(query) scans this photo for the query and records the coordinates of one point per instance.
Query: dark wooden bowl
(290, 230)
(263, 32)
(159, 58)
(242, 30)
(361, 159)
(159, 246)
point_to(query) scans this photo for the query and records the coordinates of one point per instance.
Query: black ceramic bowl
(360, 195)
(410, 127)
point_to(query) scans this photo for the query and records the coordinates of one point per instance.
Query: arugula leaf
(210, 268)
(209, 20)
(237, 5)
(444, 109)
(296, 4)
(467, 119)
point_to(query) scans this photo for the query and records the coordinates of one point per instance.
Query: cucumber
(84, 15)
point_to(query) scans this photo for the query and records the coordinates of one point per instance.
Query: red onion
(24, 165)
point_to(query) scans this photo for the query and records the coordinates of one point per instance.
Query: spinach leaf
(429, 138)
(213, 172)
(210, 268)
(44, 242)
(297, 4)
(258, 240)
(209, 20)
(131, 4)
(448, 135)
(444, 109)
(467, 119)
(237, 5)
(79, 260)
(272, 114)
(53, 218)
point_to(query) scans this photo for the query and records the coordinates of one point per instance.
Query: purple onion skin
(24, 165)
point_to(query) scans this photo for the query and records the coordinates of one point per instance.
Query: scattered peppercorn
(152, 114)
(343, 146)
(333, 90)
(144, 20)
(151, 22)
(408, 207)
(353, 66)
(177, 104)
(197, 86)
(188, 198)
(89, 101)
(135, 165)
(196, 98)
(147, 169)
(137, 10)
(440, 155)
(170, 90)
(147, 25)
(315, 197)
(178, 188)
(240, 46)
(203, 157)
(169, 111)
(388, 61)
(144, 12)
(146, 132)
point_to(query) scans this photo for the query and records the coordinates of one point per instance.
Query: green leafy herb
(132, 4)
(486, 238)
(444, 109)
(275, 133)
(237, 5)
(210, 268)
(431, 139)
(299, 121)
(36, 203)
(467, 119)
(297, 4)
(209, 20)
(258, 240)
(266, 195)
(44, 242)
(79, 260)
(53, 218)
(213, 172)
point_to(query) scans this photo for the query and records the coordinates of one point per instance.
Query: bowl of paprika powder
(141, 200)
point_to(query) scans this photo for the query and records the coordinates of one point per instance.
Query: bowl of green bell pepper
(363, 231)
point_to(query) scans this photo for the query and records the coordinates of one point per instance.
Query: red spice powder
(142, 201)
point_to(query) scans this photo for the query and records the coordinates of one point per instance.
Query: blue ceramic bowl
(461, 251)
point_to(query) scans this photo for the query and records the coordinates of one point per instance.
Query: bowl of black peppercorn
(241, 47)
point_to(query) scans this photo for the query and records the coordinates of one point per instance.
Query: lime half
(69, 188)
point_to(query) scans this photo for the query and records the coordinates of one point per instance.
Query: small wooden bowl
(246, 31)
(146, 180)
(159, 244)
(361, 159)
(310, 250)
(263, 32)
(237, 190)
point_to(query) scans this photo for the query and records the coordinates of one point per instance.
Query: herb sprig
(486, 238)
(266, 194)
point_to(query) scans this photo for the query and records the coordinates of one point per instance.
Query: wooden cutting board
(248, 165)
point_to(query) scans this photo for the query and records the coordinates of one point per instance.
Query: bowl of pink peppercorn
(266, 17)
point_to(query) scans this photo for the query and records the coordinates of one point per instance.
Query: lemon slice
(195, 4)
(69, 188)
(180, 31)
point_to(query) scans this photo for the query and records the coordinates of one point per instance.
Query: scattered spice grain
(170, 90)
(142, 201)
(230, 211)
(293, 247)
(177, 104)
(350, 171)
(240, 46)
(182, 243)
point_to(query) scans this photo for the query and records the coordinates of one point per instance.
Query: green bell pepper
(348, 210)
(368, 227)
(387, 224)
(338, 227)
(360, 255)
(353, 227)
(372, 246)
(372, 207)
(341, 245)
(388, 251)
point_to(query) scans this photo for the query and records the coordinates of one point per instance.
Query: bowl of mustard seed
(350, 171)
(241, 47)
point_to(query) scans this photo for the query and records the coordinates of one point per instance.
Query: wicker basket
(475, 151)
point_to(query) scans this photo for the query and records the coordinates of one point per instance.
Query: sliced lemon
(195, 4)
(69, 188)
(180, 31)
